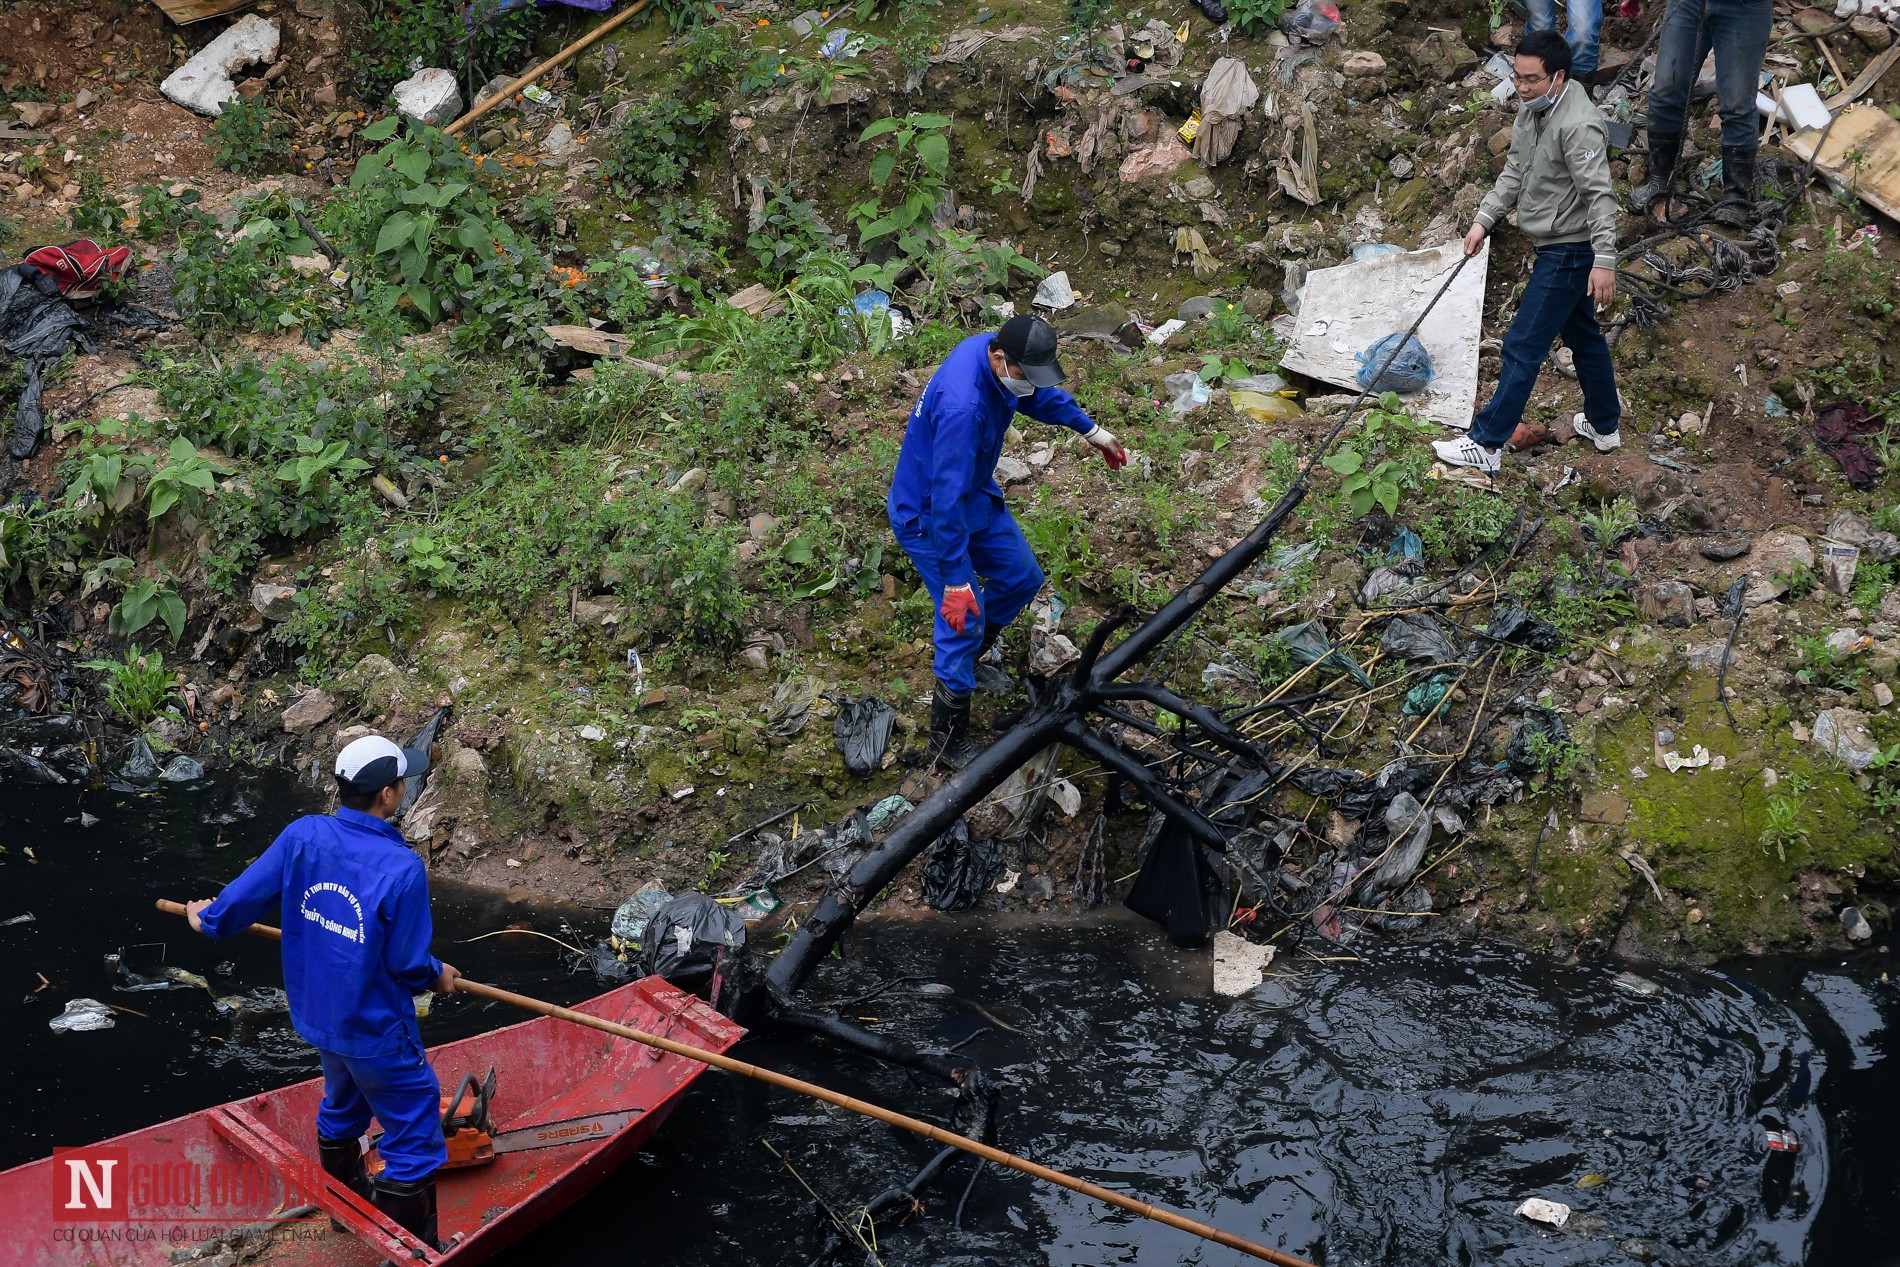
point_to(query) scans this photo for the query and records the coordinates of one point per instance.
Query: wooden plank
(185, 12)
(1869, 76)
(270, 1150)
(1873, 138)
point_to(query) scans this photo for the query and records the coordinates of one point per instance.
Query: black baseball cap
(372, 763)
(1030, 342)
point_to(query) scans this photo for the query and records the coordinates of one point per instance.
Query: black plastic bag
(959, 870)
(1536, 723)
(1326, 782)
(862, 731)
(1419, 637)
(689, 939)
(1370, 795)
(1169, 888)
(1517, 626)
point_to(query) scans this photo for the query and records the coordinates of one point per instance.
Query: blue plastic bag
(1410, 371)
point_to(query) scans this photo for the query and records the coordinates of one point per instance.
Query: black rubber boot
(1665, 148)
(410, 1206)
(949, 729)
(1737, 208)
(342, 1159)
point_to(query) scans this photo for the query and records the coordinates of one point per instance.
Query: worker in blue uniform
(354, 906)
(948, 512)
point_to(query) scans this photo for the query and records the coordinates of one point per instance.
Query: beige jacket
(1558, 178)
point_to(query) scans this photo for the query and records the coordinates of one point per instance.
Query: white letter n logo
(100, 1188)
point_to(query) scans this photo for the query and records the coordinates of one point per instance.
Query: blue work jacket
(946, 471)
(355, 915)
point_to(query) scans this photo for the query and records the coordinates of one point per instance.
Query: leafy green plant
(1217, 369)
(1254, 17)
(1785, 829)
(1610, 522)
(1371, 479)
(248, 136)
(1870, 584)
(473, 38)
(913, 168)
(136, 687)
(789, 232)
(657, 144)
(144, 601)
(183, 480)
(1560, 759)
(317, 463)
(98, 211)
(1824, 667)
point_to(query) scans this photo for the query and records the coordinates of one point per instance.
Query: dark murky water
(1391, 1109)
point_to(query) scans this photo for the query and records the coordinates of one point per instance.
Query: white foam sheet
(1346, 309)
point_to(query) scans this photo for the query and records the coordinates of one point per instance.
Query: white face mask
(1017, 387)
(1537, 105)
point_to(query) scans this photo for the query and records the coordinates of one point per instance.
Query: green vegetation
(1381, 459)
(136, 687)
(248, 136)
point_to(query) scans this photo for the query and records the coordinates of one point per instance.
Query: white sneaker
(1464, 451)
(1605, 441)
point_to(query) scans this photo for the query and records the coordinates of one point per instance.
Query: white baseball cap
(372, 763)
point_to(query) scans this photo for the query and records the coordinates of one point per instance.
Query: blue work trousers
(1008, 577)
(402, 1091)
(1585, 28)
(1556, 301)
(1738, 32)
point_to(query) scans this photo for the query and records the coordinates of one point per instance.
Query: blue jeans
(1586, 24)
(401, 1090)
(1556, 301)
(1010, 577)
(1738, 32)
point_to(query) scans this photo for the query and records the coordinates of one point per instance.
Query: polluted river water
(1390, 1104)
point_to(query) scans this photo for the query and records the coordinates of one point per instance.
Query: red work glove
(959, 604)
(1112, 452)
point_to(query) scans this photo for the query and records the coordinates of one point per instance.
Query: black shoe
(1737, 207)
(1664, 149)
(949, 729)
(342, 1159)
(410, 1206)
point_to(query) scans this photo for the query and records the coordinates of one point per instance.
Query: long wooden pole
(600, 32)
(887, 1116)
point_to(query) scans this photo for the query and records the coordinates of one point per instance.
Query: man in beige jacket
(1557, 178)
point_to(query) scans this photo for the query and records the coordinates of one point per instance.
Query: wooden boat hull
(134, 1200)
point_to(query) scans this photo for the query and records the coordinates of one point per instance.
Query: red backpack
(79, 270)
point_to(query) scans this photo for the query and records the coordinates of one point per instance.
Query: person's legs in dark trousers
(1559, 282)
(1590, 352)
(1740, 39)
(402, 1091)
(1677, 59)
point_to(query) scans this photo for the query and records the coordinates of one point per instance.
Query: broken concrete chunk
(208, 80)
(1011, 470)
(1843, 733)
(1667, 603)
(310, 711)
(429, 96)
(35, 113)
(1776, 556)
(1363, 64)
(274, 602)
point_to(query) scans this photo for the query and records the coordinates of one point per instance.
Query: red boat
(569, 1105)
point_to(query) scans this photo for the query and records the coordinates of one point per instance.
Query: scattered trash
(17, 919)
(1854, 529)
(1190, 392)
(1189, 242)
(1166, 330)
(1262, 407)
(1801, 106)
(82, 1016)
(958, 870)
(1772, 407)
(542, 97)
(862, 732)
(1698, 757)
(1240, 966)
(1066, 796)
(1410, 370)
(1310, 642)
(1782, 1142)
(1427, 696)
(1855, 924)
(633, 915)
(790, 707)
(1311, 20)
(1517, 626)
(758, 904)
(1375, 251)
(1839, 563)
(689, 940)
(887, 812)
(39, 326)
(1055, 292)
(181, 769)
(1630, 983)
(1532, 737)
(1227, 94)
(1858, 153)
(1191, 129)
(1538, 1210)
(208, 80)
(1265, 384)
(1157, 158)
(1419, 637)
(1592, 1181)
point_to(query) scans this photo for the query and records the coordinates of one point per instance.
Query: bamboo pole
(889, 1117)
(600, 32)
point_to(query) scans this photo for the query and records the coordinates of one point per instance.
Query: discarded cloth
(1837, 429)
(1227, 95)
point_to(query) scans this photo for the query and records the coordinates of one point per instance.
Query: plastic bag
(1264, 408)
(83, 1016)
(959, 870)
(1310, 643)
(1427, 696)
(1535, 724)
(1190, 393)
(1419, 637)
(1265, 384)
(862, 731)
(1311, 20)
(886, 812)
(1394, 578)
(631, 918)
(1410, 371)
(1515, 625)
(1409, 828)
(689, 939)
(1374, 251)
